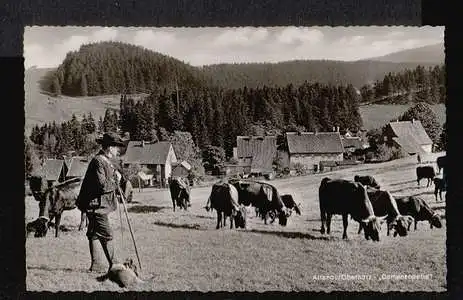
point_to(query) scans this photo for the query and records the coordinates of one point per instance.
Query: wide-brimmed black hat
(111, 139)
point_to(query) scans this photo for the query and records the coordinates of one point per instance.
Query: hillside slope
(107, 68)
(434, 54)
(41, 108)
(296, 72)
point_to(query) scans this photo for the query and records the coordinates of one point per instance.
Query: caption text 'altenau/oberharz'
(353, 277)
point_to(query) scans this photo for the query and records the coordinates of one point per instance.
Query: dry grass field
(377, 115)
(183, 251)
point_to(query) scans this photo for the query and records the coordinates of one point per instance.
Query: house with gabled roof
(53, 170)
(77, 167)
(310, 148)
(154, 158)
(256, 153)
(410, 136)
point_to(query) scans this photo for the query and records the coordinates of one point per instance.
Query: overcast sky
(47, 46)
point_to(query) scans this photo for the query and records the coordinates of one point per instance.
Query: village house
(77, 166)
(154, 158)
(53, 170)
(310, 148)
(410, 136)
(256, 154)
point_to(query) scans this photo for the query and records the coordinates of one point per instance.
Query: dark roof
(261, 149)
(51, 169)
(149, 153)
(311, 142)
(77, 168)
(352, 142)
(411, 131)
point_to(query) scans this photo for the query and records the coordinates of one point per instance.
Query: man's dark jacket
(98, 187)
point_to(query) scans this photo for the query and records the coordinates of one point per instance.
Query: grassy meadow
(183, 251)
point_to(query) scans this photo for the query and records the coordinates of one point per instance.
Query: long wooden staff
(130, 226)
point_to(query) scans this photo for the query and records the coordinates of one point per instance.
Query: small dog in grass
(125, 274)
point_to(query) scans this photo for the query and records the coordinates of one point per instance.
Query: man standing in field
(97, 197)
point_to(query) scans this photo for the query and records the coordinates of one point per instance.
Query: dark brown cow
(418, 208)
(263, 196)
(57, 199)
(439, 187)
(179, 192)
(40, 188)
(384, 204)
(426, 172)
(367, 181)
(224, 199)
(344, 197)
(290, 205)
(440, 163)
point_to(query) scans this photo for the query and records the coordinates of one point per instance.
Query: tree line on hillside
(78, 137)
(409, 86)
(255, 75)
(114, 67)
(212, 118)
(53, 140)
(216, 116)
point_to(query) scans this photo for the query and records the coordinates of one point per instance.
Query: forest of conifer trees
(213, 115)
(410, 86)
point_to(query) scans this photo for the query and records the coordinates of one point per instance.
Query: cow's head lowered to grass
(372, 227)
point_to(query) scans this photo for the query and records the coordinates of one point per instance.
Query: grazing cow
(57, 199)
(344, 197)
(439, 187)
(290, 205)
(419, 210)
(179, 192)
(384, 204)
(440, 163)
(262, 196)
(426, 172)
(367, 181)
(224, 199)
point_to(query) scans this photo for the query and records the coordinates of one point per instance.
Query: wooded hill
(409, 86)
(214, 116)
(113, 67)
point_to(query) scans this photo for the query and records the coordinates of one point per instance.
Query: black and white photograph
(235, 158)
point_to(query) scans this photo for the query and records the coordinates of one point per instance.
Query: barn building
(310, 148)
(154, 158)
(256, 154)
(409, 136)
(53, 170)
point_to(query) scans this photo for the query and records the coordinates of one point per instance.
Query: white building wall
(427, 148)
(310, 160)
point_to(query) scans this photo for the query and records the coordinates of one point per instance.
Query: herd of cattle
(361, 198)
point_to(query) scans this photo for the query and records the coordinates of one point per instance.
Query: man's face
(114, 150)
